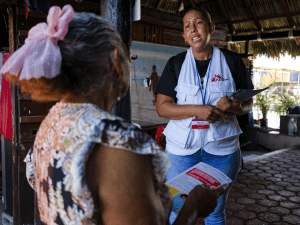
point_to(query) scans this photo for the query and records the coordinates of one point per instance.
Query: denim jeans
(228, 164)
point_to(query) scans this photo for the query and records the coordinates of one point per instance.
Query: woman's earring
(120, 91)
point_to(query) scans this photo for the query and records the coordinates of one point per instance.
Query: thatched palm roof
(242, 17)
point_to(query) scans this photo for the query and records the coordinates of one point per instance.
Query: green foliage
(284, 101)
(264, 101)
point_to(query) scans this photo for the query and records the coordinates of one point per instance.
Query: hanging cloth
(5, 105)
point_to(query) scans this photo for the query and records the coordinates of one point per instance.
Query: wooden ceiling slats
(161, 19)
(287, 13)
(293, 6)
(192, 2)
(297, 21)
(223, 11)
(275, 23)
(6, 2)
(157, 5)
(255, 18)
(247, 27)
(261, 19)
(22, 11)
(209, 2)
(237, 10)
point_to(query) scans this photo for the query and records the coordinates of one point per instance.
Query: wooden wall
(147, 33)
(156, 34)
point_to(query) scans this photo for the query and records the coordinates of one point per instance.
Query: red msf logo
(216, 78)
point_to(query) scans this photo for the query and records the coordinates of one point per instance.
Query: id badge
(200, 124)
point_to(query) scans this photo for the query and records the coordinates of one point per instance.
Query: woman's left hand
(226, 105)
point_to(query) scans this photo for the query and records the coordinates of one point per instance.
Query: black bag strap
(178, 61)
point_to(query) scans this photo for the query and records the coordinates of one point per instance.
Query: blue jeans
(228, 164)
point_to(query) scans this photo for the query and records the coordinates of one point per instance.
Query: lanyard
(198, 75)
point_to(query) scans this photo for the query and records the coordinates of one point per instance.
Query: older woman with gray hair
(88, 166)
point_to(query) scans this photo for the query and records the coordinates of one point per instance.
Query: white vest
(179, 133)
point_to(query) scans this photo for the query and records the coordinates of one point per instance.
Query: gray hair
(88, 54)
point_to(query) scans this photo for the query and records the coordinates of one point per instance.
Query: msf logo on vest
(218, 77)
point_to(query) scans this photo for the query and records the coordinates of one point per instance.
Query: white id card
(200, 124)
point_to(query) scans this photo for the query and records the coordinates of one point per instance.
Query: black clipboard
(245, 94)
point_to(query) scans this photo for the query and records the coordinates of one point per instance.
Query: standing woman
(198, 131)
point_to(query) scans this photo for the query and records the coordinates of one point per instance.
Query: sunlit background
(283, 74)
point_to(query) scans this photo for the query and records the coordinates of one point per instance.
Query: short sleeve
(168, 80)
(122, 135)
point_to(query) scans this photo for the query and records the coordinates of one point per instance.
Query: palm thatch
(244, 17)
(273, 50)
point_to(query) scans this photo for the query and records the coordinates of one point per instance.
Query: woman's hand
(165, 107)
(201, 202)
(226, 105)
(235, 106)
(208, 113)
(205, 198)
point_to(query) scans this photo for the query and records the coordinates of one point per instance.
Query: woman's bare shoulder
(119, 178)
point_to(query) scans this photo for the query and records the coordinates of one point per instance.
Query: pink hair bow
(40, 56)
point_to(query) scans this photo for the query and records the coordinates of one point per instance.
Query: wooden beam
(161, 19)
(266, 36)
(158, 4)
(224, 13)
(209, 2)
(265, 30)
(162, 16)
(22, 11)
(192, 2)
(31, 119)
(287, 13)
(253, 13)
(260, 19)
(7, 2)
(15, 128)
(11, 29)
(119, 12)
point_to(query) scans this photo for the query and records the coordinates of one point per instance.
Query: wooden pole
(14, 99)
(298, 85)
(119, 13)
(247, 50)
(266, 36)
(281, 81)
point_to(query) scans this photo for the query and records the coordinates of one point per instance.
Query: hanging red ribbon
(27, 9)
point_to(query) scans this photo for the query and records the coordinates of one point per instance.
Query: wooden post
(298, 86)
(119, 13)
(15, 138)
(23, 194)
(246, 49)
(281, 81)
